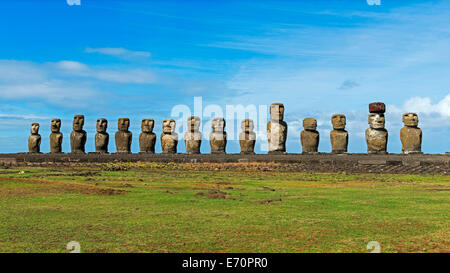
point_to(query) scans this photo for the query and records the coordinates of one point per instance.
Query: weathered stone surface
(309, 137)
(411, 135)
(78, 135)
(193, 138)
(147, 139)
(102, 137)
(376, 135)
(123, 136)
(169, 138)
(218, 136)
(56, 137)
(247, 138)
(339, 136)
(377, 107)
(277, 129)
(34, 140)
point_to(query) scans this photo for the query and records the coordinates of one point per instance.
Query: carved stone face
(78, 123)
(376, 120)
(310, 124)
(339, 121)
(35, 128)
(410, 119)
(193, 123)
(247, 125)
(218, 124)
(55, 125)
(147, 125)
(277, 111)
(123, 124)
(169, 126)
(102, 125)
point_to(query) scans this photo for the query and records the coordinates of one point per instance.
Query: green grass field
(209, 208)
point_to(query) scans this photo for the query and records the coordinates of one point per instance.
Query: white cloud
(119, 52)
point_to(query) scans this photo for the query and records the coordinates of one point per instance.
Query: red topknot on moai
(377, 107)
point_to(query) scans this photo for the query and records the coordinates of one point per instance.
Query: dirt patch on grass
(38, 187)
(268, 201)
(214, 194)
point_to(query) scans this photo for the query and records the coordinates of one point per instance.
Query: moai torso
(376, 135)
(169, 138)
(247, 138)
(78, 135)
(56, 137)
(34, 140)
(147, 139)
(411, 135)
(193, 138)
(102, 137)
(338, 136)
(123, 136)
(309, 137)
(218, 137)
(277, 129)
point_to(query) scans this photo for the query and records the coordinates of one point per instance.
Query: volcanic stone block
(78, 135)
(277, 129)
(56, 137)
(102, 137)
(193, 138)
(376, 135)
(218, 136)
(411, 135)
(34, 140)
(169, 138)
(147, 139)
(377, 107)
(123, 136)
(309, 137)
(338, 136)
(247, 138)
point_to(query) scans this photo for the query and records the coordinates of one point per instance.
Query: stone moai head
(376, 120)
(310, 124)
(123, 124)
(35, 128)
(410, 120)
(376, 116)
(78, 123)
(102, 125)
(277, 111)
(169, 126)
(339, 121)
(147, 125)
(55, 126)
(193, 123)
(247, 125)
(218, 124)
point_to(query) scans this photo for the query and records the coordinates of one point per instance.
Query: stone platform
(349, 163)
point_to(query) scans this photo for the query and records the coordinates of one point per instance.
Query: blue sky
(139, 59)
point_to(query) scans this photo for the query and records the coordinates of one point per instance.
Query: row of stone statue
(376, 135)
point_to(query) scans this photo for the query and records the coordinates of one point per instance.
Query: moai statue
(123, 136)
(338, 136)
(247, 138)
(56, 137)
(78, 135)
(309, 137)
(147, 138)
(34, 140)
(193, 138)
(411, 135)
(277, 129)
(169, 138)
(218, 136)
(102, 137)
(376, 135)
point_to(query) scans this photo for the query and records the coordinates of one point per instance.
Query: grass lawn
(247, 207)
